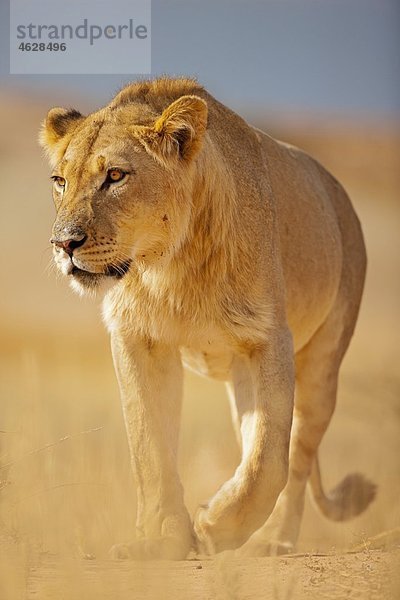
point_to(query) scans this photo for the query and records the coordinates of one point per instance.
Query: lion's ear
(178, 132)
(58, 123)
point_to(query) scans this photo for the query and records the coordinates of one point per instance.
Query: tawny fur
(246, 263)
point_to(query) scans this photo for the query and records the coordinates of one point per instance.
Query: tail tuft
(347, 500)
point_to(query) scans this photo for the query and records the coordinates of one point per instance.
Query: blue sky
(330, 56)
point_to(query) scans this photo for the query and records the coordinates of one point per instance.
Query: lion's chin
(86, 282)
(83, 282)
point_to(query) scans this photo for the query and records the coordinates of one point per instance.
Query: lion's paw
(163, 548)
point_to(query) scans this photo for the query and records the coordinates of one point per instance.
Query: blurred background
(321, 74)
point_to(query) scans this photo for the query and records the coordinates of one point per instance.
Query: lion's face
(121, 190)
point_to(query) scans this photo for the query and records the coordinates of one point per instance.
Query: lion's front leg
(263, 386)
(150, 380)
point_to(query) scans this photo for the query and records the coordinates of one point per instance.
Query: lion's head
(122, 180)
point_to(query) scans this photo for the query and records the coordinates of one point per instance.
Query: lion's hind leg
(317, 369)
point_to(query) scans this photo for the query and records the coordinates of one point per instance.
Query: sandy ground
(66, 490)
(371, 574)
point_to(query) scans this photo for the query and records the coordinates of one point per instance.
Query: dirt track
(367, 575)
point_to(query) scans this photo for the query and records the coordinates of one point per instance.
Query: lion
(227, 252)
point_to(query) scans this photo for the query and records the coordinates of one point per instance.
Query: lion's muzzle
(70, 243)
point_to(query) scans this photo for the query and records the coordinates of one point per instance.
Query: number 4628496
(42, 47)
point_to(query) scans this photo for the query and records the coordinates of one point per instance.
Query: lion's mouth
(119, 270)
(116, 271)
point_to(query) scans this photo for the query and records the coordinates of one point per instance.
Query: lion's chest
(212, 362)
(204, 345)
(196, 328)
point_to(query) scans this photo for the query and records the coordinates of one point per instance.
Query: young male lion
(234, 254)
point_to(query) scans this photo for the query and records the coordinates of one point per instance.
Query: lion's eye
(59, 182)
(114, 175)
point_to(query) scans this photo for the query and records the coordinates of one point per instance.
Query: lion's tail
(348, 499)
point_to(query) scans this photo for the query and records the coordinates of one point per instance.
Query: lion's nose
(71, 244)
